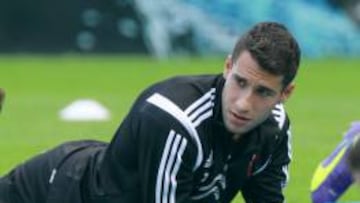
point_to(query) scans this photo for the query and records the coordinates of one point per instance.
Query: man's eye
(265, 93)
(240, 82)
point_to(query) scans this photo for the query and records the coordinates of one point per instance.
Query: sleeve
(166, 157)
(266, 185)
(333, 176)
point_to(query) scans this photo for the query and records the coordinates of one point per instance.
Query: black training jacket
(172, 147)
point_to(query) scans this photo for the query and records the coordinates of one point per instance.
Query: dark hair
(273, 47)
(353, 158)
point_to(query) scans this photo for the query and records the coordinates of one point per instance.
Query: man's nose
(244, 101)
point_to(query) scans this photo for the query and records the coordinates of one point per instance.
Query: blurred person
(2, 97)
(337, 172)
(353, 158)
(188, 139)
(167, 24)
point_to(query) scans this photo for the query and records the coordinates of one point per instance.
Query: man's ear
(287, 92)
(227, 66)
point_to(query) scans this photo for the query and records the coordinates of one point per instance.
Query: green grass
(326, 100)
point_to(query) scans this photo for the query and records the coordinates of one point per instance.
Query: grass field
(326, 100)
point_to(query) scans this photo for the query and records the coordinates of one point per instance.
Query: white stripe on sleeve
(171, 108)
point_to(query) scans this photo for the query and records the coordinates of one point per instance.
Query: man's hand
(2, 97)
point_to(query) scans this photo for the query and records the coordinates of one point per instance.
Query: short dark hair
(273, 47)
(353, 157)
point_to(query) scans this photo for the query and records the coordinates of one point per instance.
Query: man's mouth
(239, 119)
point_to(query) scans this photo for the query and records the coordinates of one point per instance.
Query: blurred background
(163, 28)
(53, 53)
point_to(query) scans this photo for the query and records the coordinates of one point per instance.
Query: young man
(191, 139)
(339, 170)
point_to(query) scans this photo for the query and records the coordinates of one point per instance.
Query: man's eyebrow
(238, 76)
(262, 87)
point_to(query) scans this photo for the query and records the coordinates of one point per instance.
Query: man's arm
(166, 161)
(168, 154)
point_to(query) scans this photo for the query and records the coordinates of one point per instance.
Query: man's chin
(236, 129)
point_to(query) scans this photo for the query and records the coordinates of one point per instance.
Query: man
(338, 171)
(191, 139)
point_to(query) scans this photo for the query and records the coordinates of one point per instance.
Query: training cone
(84, 110)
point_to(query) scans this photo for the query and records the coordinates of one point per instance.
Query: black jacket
(172, 147)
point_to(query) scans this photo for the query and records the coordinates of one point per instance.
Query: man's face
(249, 94)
